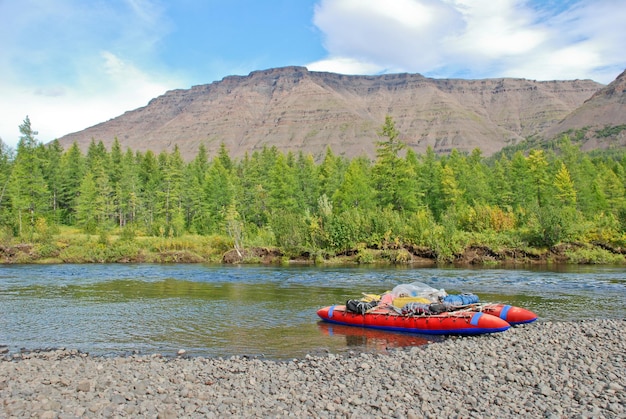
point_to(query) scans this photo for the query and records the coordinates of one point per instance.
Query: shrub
(419, 226)
(594, 255)
(551, 225)
(290, 231)
(365, 257)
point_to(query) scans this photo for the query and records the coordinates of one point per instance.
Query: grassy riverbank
(72, 246)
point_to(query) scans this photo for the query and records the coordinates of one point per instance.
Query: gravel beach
(545, 369)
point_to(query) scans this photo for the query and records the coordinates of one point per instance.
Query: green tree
(97, 156)
(218, 197)
(87, 211)
(565, 191)
(330, 173)
(169, 200)
(72, 168)
(27, 186)
(611, 188)
(391, 173)
(588, 191)
(450, 189)
(149, 180)
(537, 166)
(521, 182)
(501, 193)
(283, 187)
(193, 184)
(5, 174)
(116, 155)
(307, 183)
(224, 157)
(103, 202)
(475, 183)
(356, 190)
(127, 190)
(429, 183)
(51, 169)
(253, 196)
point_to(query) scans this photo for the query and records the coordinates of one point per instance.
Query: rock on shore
(549, 369)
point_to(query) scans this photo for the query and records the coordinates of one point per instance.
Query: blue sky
(70, 64)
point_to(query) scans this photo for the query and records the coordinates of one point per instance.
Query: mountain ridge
(299, 110)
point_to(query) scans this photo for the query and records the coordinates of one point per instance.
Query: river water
(259, 311)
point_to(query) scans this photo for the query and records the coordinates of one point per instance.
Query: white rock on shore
(555, 370)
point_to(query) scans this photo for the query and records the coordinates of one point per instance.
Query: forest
(118, 205)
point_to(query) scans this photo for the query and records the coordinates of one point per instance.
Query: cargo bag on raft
(411, 309)
(360, 307)
(460, 300)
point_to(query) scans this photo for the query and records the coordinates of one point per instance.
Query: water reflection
(374, 339)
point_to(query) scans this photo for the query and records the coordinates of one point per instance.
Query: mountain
(299, 110)
(605, 108)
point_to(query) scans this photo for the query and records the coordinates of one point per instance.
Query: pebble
(544, 369)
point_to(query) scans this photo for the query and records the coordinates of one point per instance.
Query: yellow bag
(402, 301)
(368, 298)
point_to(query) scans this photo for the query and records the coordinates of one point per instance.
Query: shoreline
(545, 369)
(481, 255)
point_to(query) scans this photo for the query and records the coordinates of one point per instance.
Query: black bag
(360, 307)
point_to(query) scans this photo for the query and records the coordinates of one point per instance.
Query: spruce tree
(27, 186)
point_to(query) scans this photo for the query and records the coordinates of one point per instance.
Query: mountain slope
(607, 107)
(298, 110)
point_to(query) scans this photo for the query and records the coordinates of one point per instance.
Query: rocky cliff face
(607, 107)
(298, 110)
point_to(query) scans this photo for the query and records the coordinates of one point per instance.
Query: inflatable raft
(386, 318)
(511, 314)
(419, 308)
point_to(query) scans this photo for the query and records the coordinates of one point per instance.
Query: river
(259, 311)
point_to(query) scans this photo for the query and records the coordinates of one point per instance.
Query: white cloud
(394, 35)
(116, 87)
(475, 38)
(345, 66)
(75, 64)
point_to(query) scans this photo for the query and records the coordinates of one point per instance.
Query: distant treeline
(533, 199)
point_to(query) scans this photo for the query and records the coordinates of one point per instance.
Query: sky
(71, 64)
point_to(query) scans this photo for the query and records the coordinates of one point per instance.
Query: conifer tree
(500, 192)
(356, 190)
(537, 167)
(253, 191)
(224, 157)
(5, 174)
(169, 200)
(149, 181)
(391, 172)
(307, 179)
(282, 192)
(476, 182)
(72, 172)
(520, 179)
(52, 155)
(565, 191)
(27, 186)
(330, 173)
(193, 185)
(429, 182)
(127, 190)
(218, 196)
(450, 190)
(87, 215)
